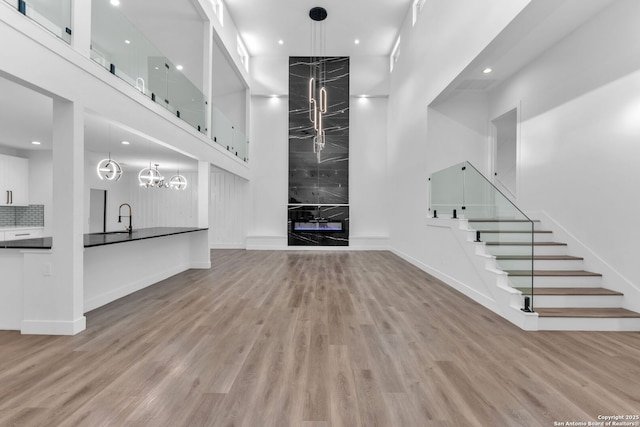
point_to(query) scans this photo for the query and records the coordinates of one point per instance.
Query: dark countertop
(37, 243)
(98, 239)
(101, 239)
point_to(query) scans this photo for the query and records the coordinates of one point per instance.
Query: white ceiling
(263, 23)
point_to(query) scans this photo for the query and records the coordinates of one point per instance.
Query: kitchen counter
(102, 239)
(37, 243)
(33, 275)
(110, 238)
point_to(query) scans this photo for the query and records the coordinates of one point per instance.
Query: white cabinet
(14, 181)
(26, 233)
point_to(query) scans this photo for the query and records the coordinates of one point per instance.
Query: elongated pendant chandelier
(317, 79)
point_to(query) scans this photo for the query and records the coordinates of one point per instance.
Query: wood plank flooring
(311, 339)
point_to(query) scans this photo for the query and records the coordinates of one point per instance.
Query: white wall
(447, 36)
(457, 130)
(580, 129)
(227, 210)
(368, 183)
(41, 185)
(269, 182)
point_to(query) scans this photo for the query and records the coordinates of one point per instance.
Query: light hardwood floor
(311, 339)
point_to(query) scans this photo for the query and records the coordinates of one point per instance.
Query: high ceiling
(374, 23)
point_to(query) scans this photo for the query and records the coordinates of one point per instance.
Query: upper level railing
(461, 191)
(54, 15)
(118, 46)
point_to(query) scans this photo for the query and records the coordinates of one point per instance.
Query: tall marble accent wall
(318, 213)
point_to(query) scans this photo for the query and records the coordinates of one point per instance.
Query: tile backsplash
(22, 216)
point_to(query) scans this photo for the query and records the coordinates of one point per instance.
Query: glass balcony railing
(121, 48)
(224, 133)
(461, 191)
(54, 15)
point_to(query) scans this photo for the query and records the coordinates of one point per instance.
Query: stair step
(524, 244)
(525, 250)
(569, 291)
(514, 231)
(552, 273)
(574, 297)
(600, 313)
(500, 220)
(540, 257)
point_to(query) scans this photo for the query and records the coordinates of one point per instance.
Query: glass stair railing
(461, 191)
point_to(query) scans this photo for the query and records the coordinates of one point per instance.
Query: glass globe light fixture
(178, 182)
(109, 169)
(149, 177)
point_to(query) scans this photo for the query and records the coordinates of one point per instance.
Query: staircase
(565, 296)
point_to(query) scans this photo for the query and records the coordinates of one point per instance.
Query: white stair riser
(556, 281)
(508, 226)
(518, 264)
(514, 237)
(526, 250)
(588, 324)
(577, 301)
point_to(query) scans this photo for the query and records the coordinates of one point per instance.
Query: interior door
(97, 211)
(506, 155)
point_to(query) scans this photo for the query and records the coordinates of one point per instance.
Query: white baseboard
(215, 245)
(114, 294)
(53, 327)
(279, 243)
(201, 265)
(266, 243)
(450, 281)
(369, 243)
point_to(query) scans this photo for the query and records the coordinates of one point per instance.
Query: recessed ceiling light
(115, 2)
(125, 142)
(36, 142)
(487, 70)
(356, 41)
(280, 41)
(179, 67)
(127, 41)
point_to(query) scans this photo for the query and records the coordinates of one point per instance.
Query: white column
(68, 208)
(200, 257)
(81, 27)
(204, 193)
(53, 293)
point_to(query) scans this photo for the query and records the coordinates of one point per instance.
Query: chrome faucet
(130, 228)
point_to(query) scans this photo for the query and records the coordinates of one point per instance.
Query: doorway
(506, 151)
(97, 211)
